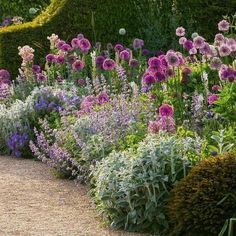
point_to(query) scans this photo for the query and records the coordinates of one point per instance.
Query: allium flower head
(182, 40)
(148, 79)
(188, 44)
(216, 88)
(75, 43)
(84, 45)
(103, 98)
(125, 55)
(78, 65)
(212, 98)
(100, 60)
(122, 31)
(133, 63)
(109, 64)
(41, 77)
(219, 38)
(215, 63)
(172, 58)
(193, 51)
(223, 26)
(65, 47)
(60, 59)
(138, 43)
(180, 31)
(50, 58)
(198, 42)
(118, 47)
(166, 110)
(194, 35)
(206, 49)
(224, 50)
(154, 62)
(145, 52)
(36, 69)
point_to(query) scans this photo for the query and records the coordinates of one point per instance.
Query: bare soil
(33, 202)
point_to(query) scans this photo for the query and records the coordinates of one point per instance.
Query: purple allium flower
(75, 43)
(105, 53)
(206, 49)
(118, 47)
(36, 69)
(4, 76)
(41, 77)
(154, 62)
(109, 64)
(169, 72)
(50, 58)
(182, 40)
(65, 47)
(212, 98)
(103, 98)
(224, 50)
(186, 72)
(133, 63)
(193, 51)
(84, 45)
(159, 53)
(188, 44)
(60, 59)
(180, 31)
(138, 43)
(99, 61)
(164, 63)
(223, 26)
(172, 58)
(216, 88)
(78, 65)
(125, 55)
(148, 79)
(145, 52)
(219, 38)
(60, 43)
(198, 42)
(109, 46)
(160, 76)
(166, 110)
(81, 82)
(80, 36)
(215, 63)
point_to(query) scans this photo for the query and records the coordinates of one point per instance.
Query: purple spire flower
(180, 31)
(109, 64)
(4, 76)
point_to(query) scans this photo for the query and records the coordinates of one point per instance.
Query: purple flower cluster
(17, 141)
(164, 122)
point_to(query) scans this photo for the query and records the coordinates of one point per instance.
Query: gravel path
(33, 202)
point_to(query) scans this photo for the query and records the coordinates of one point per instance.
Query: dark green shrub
(196, 206)
(20, 7)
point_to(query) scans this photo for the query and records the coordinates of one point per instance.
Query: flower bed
(128, 123)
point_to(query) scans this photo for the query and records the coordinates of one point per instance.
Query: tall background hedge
(100, 20)
(20, 7)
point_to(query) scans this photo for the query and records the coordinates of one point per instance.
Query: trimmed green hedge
(20, 7)
(154, 21)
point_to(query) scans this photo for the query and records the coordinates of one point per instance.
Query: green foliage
(131, 187)
(226, 105)
(200, 202)
(21, 8)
